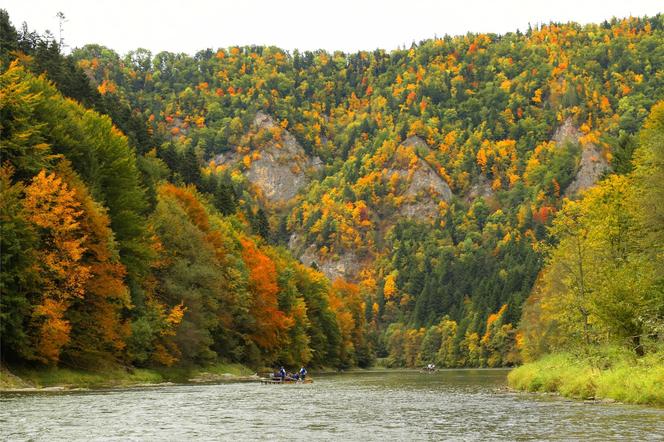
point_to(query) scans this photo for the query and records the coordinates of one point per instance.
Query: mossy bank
(621, 377)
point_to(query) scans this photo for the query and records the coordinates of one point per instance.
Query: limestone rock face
(346, 266)
(279, 172)
(567, 132)
(480, 189)
(592, 164)
(416, 142)
(425, 187)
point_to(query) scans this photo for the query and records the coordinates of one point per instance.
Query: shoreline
(46, 379)
(38, 380)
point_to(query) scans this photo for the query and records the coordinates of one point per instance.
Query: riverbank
(21, 379)
(53, 378)
(621, 377)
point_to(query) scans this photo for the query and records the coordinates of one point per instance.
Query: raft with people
(277, 380)
(283, 377)
(430, 368)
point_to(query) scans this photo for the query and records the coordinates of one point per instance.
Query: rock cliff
(278, 167)
(592, 164)
(425, 188)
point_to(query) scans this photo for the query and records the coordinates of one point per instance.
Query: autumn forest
(472, 201)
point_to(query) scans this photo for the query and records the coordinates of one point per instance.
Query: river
(381, 406)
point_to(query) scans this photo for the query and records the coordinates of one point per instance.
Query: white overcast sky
(348, 25)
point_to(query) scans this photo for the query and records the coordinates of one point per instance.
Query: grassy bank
(603, 374)
(17, 378)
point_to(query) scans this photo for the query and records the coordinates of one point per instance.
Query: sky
(347, 25)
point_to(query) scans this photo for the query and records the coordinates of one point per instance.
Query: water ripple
(380, 406)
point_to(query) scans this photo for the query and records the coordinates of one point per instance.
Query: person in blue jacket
(282, 374)
(303, 373)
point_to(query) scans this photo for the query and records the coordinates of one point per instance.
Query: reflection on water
(454, 404)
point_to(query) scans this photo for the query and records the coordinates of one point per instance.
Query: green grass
(234, 369)
(381, 363)
(54, 377)
(605, 373)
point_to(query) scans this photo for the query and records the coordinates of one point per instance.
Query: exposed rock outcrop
(425, 187)
(480, 189)
(279, 169)
(346, 265)
(592, 165)
(567, 132)
(416, 142)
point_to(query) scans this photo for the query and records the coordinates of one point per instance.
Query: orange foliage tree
(54, 209)
(270, 324)
(350, 308)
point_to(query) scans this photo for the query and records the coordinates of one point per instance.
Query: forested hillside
(260, 206)
(105, 261)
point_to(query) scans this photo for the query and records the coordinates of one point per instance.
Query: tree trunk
(638, 348)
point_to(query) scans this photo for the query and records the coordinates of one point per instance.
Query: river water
(382, 406)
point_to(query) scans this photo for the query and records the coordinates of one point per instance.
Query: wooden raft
(287, 381)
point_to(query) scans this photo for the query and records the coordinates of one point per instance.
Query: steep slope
(420, 194)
